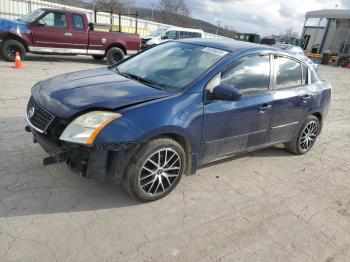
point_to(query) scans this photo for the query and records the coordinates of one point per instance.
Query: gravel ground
(268, 205)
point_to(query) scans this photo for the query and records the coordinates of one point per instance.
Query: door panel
(230, 127)
(55, 34)
(289, 109)
(291, 99)
(80, 32)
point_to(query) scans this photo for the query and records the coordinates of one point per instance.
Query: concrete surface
(265, 206)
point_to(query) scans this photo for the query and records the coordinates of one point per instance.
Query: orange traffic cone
(18, 63)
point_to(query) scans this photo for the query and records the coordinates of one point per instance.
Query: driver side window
(250, 74)
(57, 20)
(170, 35)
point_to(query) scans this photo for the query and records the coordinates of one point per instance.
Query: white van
(167, 34)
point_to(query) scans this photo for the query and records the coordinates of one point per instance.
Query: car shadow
(64, 58)
(27, 187)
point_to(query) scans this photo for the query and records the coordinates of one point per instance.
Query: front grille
(40, 118)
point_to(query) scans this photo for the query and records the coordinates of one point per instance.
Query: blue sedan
(153, 117)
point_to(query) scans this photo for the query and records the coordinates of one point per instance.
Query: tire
(98, 57)
(305, 137)
(143, 175)
(114, 55)
(9, 49)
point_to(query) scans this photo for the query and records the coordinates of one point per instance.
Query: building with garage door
(327, 30)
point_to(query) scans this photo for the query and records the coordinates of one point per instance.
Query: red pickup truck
(49, 31)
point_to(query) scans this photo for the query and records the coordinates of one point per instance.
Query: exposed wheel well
(318, 115)
(185, 145)
(116, 45)
(17, 38)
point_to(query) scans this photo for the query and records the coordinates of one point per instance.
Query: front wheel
(114, 55)
(306, 136)
(9, 49)
(155, 170)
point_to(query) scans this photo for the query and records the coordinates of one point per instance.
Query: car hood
(15, 26)
(69, 94)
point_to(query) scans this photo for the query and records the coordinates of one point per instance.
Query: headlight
(85, 128)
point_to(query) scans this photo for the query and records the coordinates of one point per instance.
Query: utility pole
(217, 27)
(152, 6)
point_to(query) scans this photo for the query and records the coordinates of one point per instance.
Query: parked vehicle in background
(157, 115)
(247, 37)
(298, 51)
(167, 34)
(50, 31)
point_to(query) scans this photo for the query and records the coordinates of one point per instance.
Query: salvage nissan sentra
(153, 117)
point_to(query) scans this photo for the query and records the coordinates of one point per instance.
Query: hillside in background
(161, 17)
(182, 21)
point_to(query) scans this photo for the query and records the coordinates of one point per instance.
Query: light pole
(217, 27)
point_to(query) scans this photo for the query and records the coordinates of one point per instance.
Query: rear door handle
(306, 97)
(67, 34)
(264, 107)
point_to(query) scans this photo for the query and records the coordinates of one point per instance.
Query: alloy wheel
(160, 171)
(308, 136)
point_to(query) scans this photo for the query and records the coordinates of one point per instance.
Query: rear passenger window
(250, 74)
(196, 35)
(288, 72)
(184, 34)
(305, 75)
(78, 22)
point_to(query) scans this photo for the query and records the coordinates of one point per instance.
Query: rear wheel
(155, 170)
(98, 57)
(114, 55)
(306, 137)
(9, 49)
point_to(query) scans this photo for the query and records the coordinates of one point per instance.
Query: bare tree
(114, 6)
(289, 34)
(174, 6)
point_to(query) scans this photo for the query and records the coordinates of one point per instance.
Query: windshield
(28, 18)
(157, 32)
(171, 66)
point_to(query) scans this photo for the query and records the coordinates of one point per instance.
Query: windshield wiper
(140, 79)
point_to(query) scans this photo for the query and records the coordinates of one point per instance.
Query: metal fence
(13, 9)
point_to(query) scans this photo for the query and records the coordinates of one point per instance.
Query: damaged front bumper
(96, 161)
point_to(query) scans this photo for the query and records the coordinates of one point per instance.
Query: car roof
(236, 46)
(185, 29)
(227, 44)
(62, 11)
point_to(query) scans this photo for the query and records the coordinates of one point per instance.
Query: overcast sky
(265, 17)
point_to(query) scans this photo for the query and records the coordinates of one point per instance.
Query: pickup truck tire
(98, 57)
(9, 49)
(114, 55)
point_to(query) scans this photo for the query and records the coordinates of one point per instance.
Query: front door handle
(67, 34)
(264, 107)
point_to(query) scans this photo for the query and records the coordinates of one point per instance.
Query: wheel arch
(186, 145)
(119, 45)
(12, 36)
(318, 115)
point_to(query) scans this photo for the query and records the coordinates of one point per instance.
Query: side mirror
(164, 37)
(226, 93)
(41, 22)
